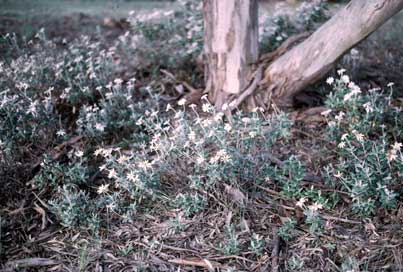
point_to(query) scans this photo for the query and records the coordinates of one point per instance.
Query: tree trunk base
(290, 69)
(259, 90)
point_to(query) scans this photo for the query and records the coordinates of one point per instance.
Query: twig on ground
(275, 252)
(232, 257)
(184, 83)
(308, 176)
(328, 217)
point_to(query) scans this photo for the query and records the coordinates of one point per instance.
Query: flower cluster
(363, 126)
(200, 153)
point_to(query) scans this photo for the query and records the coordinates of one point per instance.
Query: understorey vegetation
(105, 161)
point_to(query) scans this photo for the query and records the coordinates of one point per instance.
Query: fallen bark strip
(29, 263)
(209, 265)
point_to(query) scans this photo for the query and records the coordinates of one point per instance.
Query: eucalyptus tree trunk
(309, 61)
(231, 46)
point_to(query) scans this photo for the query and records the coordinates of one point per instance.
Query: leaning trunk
(231, 45)
(312, 59)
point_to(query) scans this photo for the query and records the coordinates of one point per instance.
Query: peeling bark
(309, 61)
(231, 46)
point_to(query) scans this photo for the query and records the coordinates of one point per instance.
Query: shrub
(75, 208)
(275, 29)
(231, 245)
(257, 244)
(287, 230)
(366, 131)
(159, 35)
(115, 114)
(199, 154)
